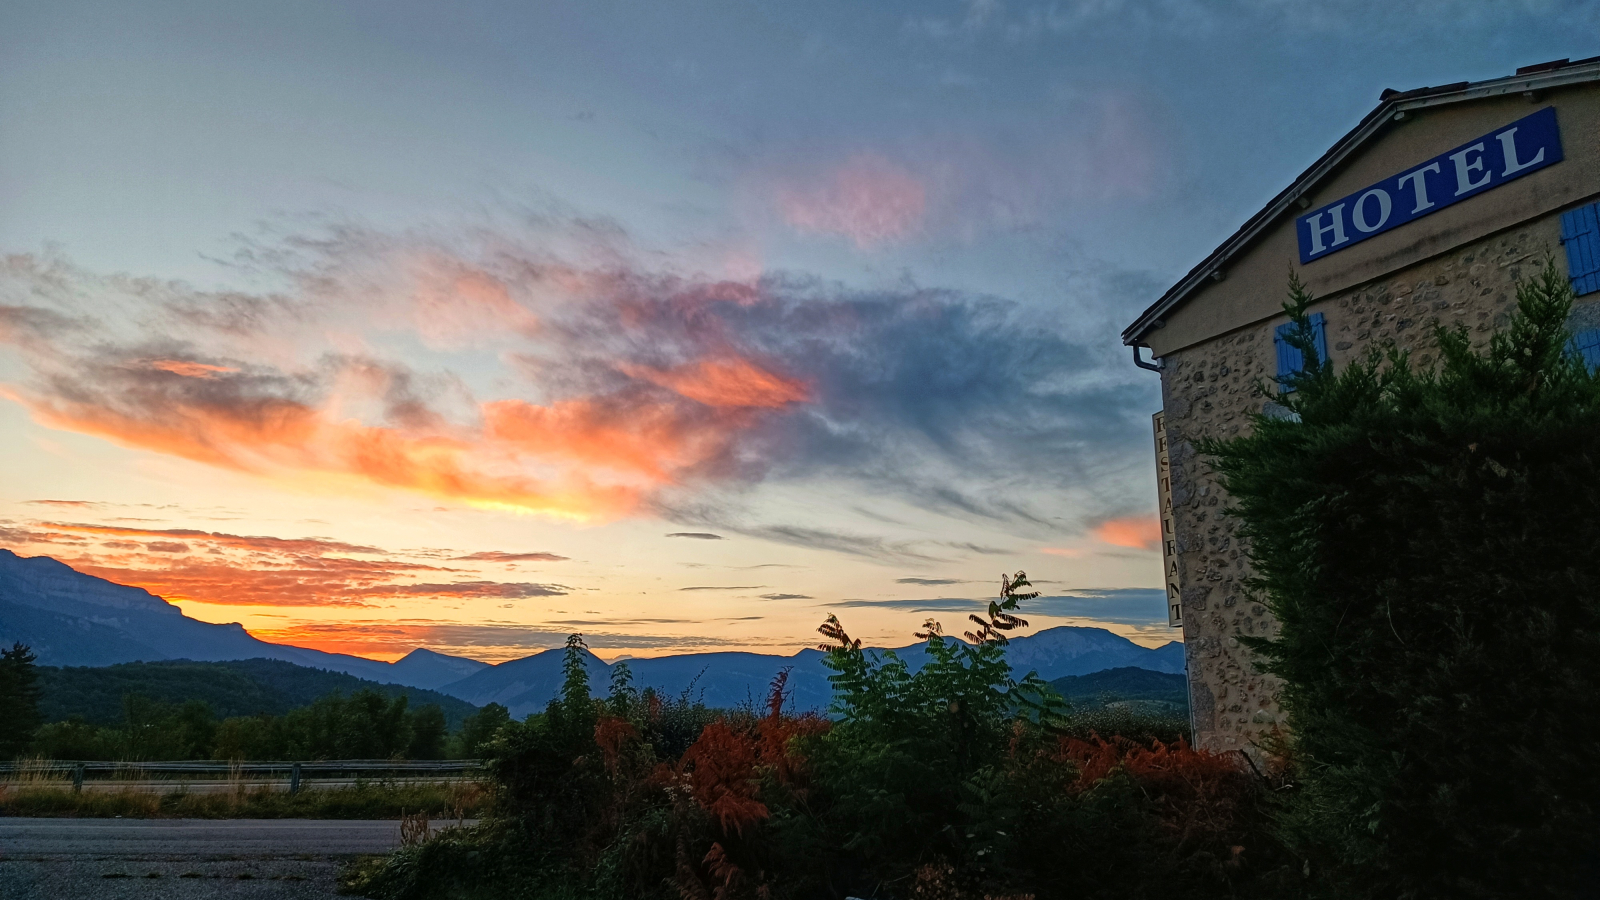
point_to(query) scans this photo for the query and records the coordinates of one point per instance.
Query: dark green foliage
(1427, 541)
(428, 734)
(19, 700)
(363, 800)
(235, 688)
(546, 768)
(480, 728)
(365, 725)
(1134, 703)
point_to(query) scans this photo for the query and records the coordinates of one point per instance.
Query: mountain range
(73, 619)
(731, 679)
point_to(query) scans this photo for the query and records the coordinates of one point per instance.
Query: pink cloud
(868, 199)
(1138, 532)
(189, 369)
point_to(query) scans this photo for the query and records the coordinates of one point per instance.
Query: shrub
(955, 781)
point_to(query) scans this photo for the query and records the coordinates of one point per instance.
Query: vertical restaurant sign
(1526, 145)
(1169, 540)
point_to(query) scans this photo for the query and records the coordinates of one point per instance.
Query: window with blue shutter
(1580, 234)
(1290, 359)
(1587, 345)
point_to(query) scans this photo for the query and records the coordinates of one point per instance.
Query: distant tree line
(365, 724)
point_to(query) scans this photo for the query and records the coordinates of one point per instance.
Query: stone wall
(1209, 390)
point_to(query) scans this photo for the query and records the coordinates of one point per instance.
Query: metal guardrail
(183, 768)
(295, 770)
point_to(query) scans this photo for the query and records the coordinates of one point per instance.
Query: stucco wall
(1210, 388)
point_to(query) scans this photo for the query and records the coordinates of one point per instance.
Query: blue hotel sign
(1524, 146)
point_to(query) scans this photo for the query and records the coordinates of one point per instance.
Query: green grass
(377, 800)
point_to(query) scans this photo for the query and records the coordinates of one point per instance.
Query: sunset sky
(683, 325)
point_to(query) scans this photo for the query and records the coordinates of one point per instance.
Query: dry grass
(375, 800)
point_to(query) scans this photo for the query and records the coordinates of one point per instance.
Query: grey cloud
(928, 582)
(697, 535)
(619, 623)
(464, 638)
(498, 556)
(728, 587)
(936, 604)
(786, 596)
(1126, 606)
(504, 590)
(1196, 18)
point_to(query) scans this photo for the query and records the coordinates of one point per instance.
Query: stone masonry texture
(1210, 389)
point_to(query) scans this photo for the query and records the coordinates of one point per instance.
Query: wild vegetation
(954, 780)
(373, 722)
(375, 799)
(366, 725)
(1426, 539)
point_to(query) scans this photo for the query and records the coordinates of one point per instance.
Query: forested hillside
(1128, 683)
(237, 688)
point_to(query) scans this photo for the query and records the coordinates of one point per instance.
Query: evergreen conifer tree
(19, 700)
(1426, 541)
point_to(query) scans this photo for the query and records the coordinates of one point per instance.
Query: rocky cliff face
(44, 583)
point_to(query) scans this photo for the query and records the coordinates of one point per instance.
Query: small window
(1586, 344)
(1290, 359)
(1580, 234)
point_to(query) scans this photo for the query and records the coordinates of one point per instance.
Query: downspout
(1153, 365)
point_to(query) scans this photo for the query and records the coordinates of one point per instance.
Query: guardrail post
(294, 779)
(77, 778)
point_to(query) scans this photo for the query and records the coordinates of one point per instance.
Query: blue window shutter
(1580, 234)
(1290, 359)
(1319, 332)
(1587, 345)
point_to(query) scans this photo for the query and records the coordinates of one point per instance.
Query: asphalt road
(113, 859)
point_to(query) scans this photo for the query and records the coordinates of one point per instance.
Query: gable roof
(1392, 107)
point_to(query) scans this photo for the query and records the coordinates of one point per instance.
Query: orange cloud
(1139, 532)
(274, 436)
(312, 546)
(732, 382)
(868, 199)
(228, 569)
(643, 443)
(189, 369)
